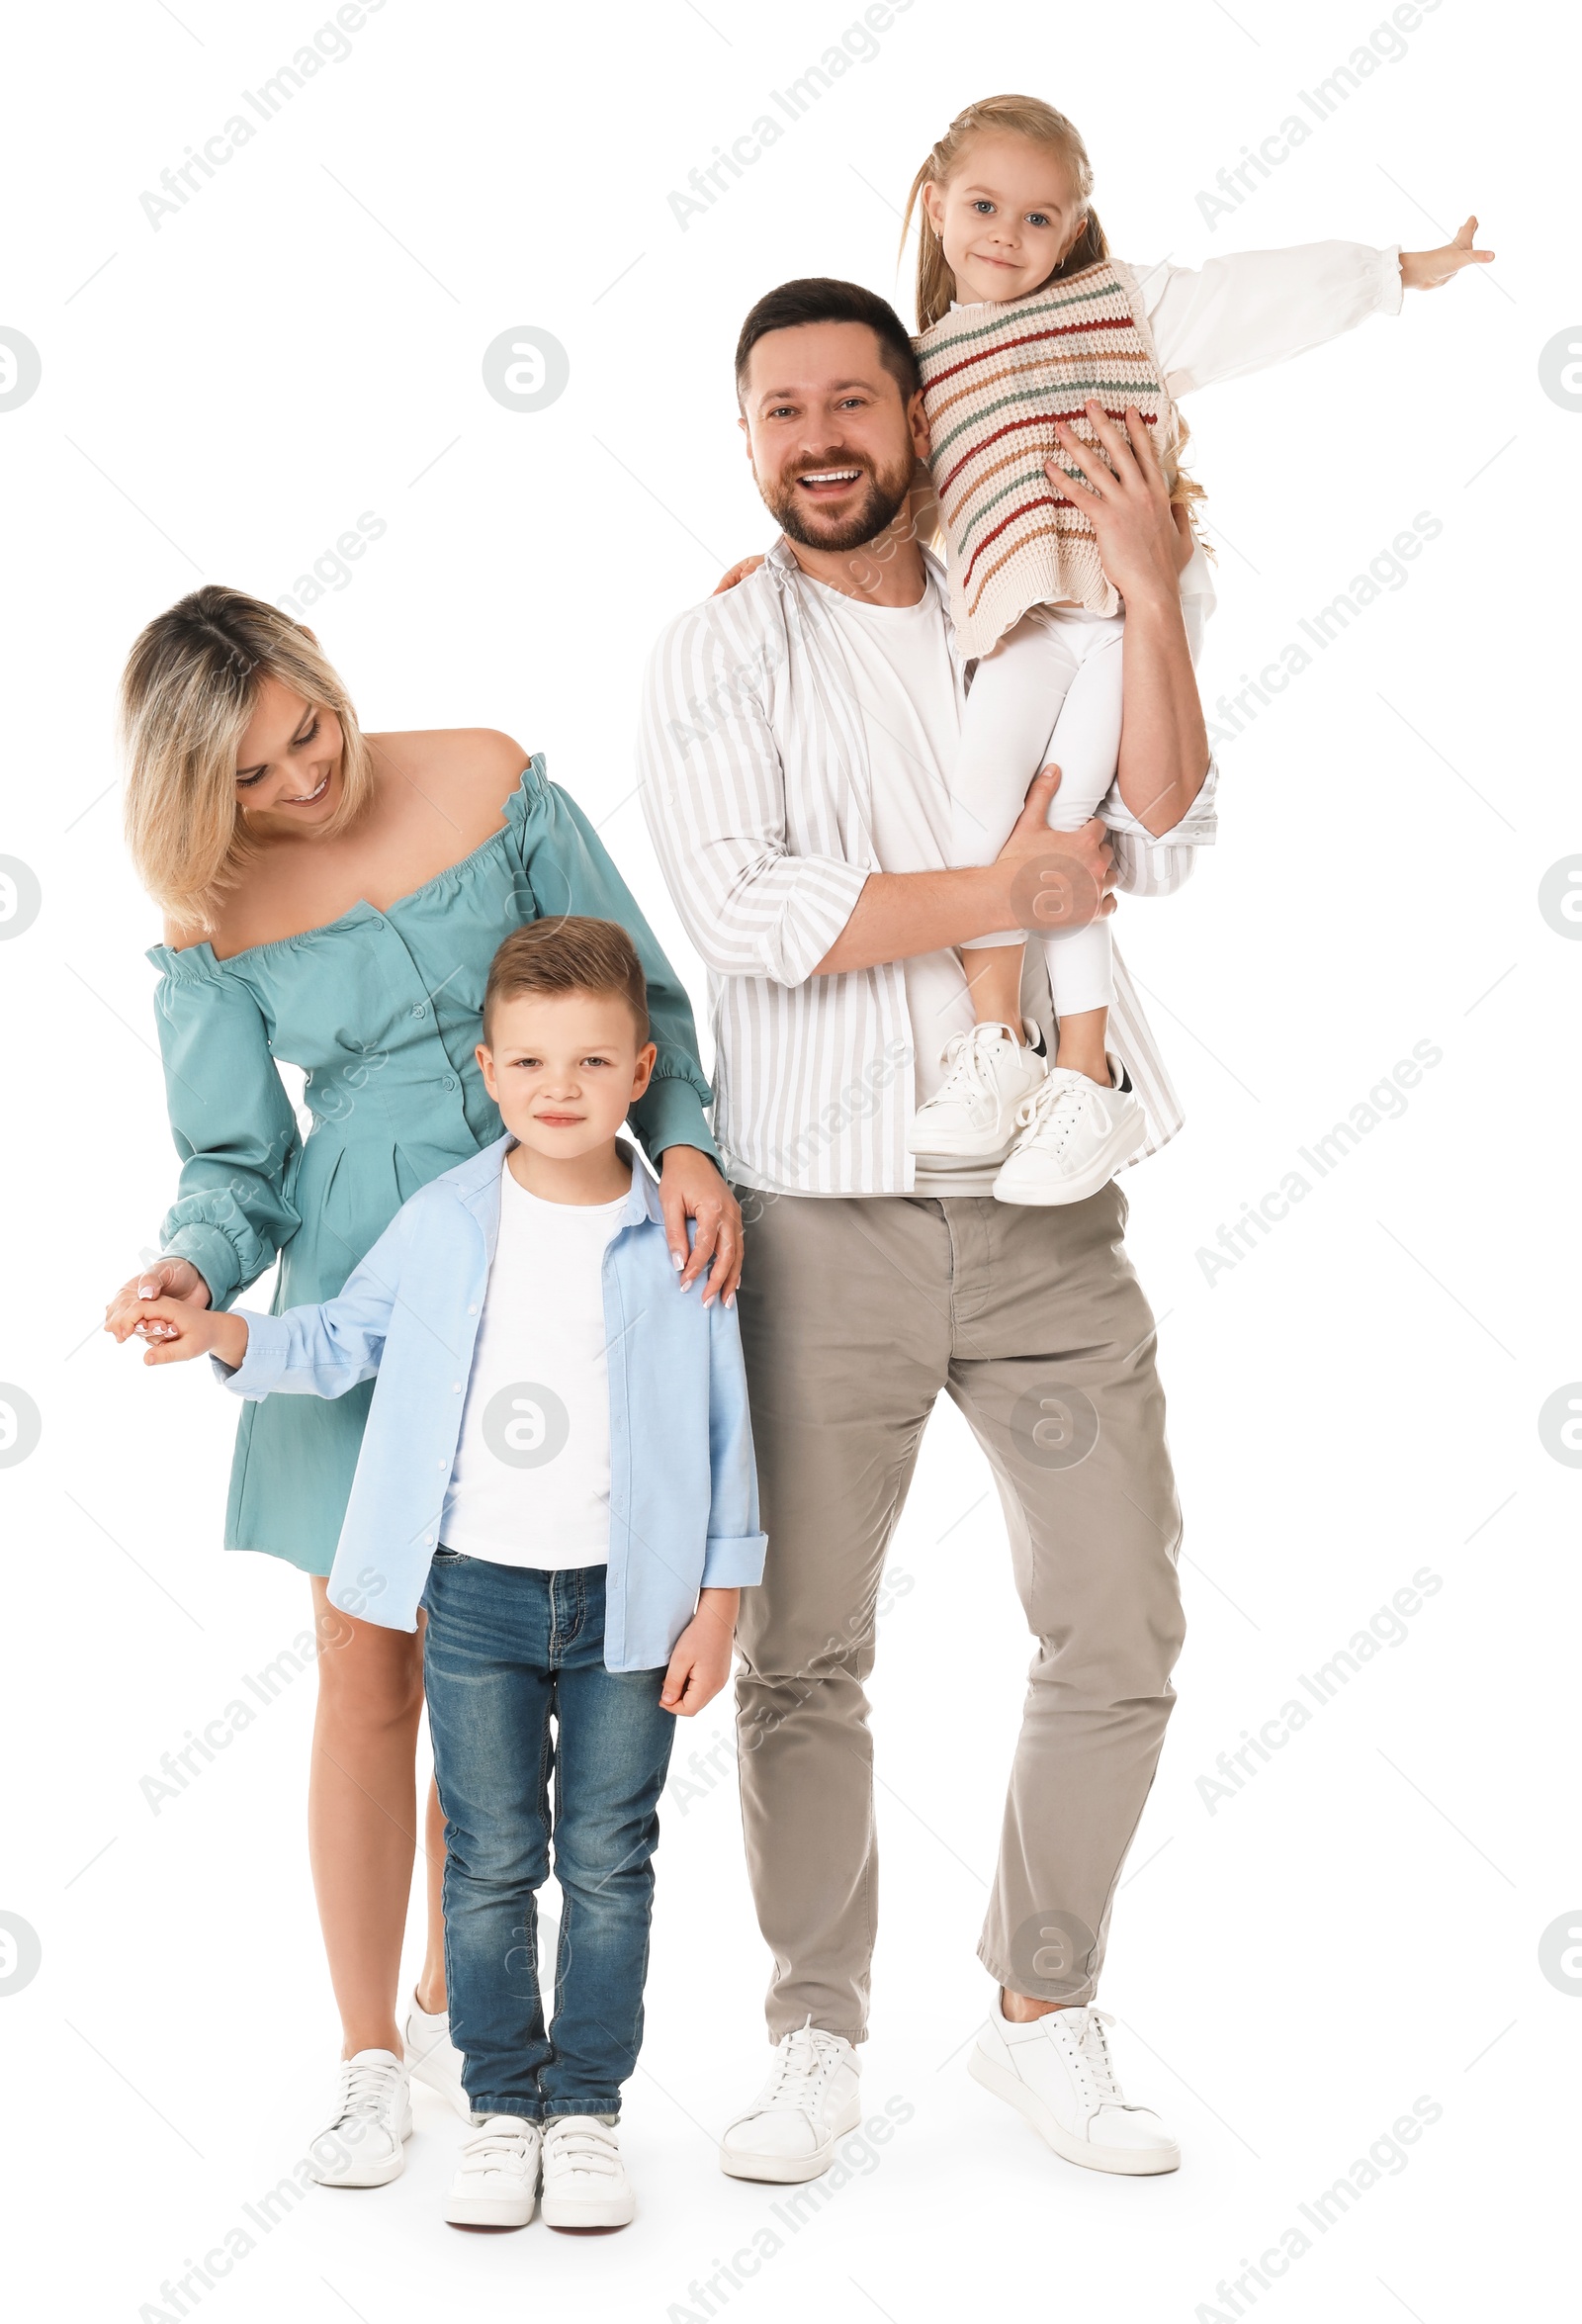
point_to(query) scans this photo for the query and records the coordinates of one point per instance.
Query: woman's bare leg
(432, 1984)
(362, 1828)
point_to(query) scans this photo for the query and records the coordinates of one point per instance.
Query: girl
(334, 898)
(1025, 321)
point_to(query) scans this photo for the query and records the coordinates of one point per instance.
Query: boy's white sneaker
(812, 2098)
(434, 2058)
(972, 1116)
(496, 2183)
(586, 2187)
(372, 2122)
(1074, 1136)
(1058, 2073)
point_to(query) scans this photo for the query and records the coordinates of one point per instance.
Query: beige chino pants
(856, 1313)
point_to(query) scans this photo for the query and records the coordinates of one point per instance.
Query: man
(796, 756)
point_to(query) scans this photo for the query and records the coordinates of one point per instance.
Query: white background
(1359, 1397)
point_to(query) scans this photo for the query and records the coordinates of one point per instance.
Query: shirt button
(444, 1464)
(472, 1309)
(419, 1011)
(429, 1541)
(455, 1388)
(450, 1081)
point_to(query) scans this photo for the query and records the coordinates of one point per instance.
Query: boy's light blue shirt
(683, 1488)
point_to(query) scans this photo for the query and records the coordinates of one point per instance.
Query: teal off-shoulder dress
(381, 1010)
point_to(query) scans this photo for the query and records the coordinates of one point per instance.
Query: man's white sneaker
(972, 1115)
(586, 2187)
(1057, 2071)
(362, 2145)
(810, 2099)
(496, 2183)
(1074, 1136)
(433, 2057)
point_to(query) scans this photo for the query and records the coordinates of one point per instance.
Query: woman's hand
(700, 1663)
(181, 1330)
(1425, 270)
(738, 573)
(166, 1279)
(691, 1188)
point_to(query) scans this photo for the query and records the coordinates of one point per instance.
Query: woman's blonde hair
(1004, 117)
(1042, 125)
(187, 694)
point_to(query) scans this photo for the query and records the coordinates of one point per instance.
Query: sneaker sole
(1098, 1173)
(377, 2174)
(791, 2170)
(587, 2218)
(964, 1149)
(1123, 2162)
(490, 2215)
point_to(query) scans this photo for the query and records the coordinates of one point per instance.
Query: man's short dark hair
(820, 298)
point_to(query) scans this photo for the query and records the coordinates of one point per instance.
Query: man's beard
(881, 504)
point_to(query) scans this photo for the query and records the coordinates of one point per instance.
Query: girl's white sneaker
(497, 2185)
(1074, 1136)
(586, 2187)
(972, 1115)
(364, 2144)
(434, 2058)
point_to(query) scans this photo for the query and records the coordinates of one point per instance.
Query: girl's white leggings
(1049, 692)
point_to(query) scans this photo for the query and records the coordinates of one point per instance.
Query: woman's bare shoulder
(472, 761)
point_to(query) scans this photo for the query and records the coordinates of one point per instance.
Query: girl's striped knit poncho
(995, 380)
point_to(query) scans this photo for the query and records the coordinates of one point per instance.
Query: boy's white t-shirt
(531, 1480)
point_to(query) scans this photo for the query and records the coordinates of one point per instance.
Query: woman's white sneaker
(972, 1115)
(496, 2183)
(363, 2145)
(1074, 1136)
(434, 2058)
(586, 2187)
(812, 2098)
(1058, 2073)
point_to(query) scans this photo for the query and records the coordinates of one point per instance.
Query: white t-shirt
(906, 687)
(531, 1484)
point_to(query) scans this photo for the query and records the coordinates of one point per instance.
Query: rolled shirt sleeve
(733, 1552)
(232, 1121)
(714, 795)
(1147, 865)
(1250, 309)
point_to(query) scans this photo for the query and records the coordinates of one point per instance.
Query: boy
(558, 1464)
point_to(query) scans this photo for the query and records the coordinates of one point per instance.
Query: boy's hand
(738, 573)
(701, 1663)
(186, 1331)
(1425, 270)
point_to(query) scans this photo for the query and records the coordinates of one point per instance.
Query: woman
(333, 900)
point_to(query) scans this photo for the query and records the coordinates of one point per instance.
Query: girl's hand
(172, 1278)
(691, 1188)
(701, 1662)
(184, 1331)
(1425, 270)
(738, 573)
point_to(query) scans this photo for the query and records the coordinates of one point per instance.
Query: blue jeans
(508, 1650)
